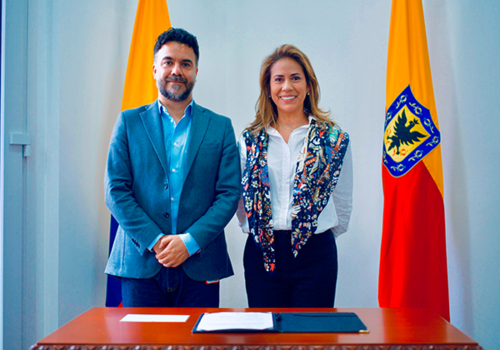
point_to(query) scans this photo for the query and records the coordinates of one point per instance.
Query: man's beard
(173, 95)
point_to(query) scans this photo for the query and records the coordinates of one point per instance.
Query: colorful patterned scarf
(318, 169)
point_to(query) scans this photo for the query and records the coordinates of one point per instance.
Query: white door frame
(2, 85)
(29, 184)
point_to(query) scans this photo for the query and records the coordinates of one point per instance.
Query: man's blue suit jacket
(137, 192)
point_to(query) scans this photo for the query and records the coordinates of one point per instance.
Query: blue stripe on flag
(114, 289)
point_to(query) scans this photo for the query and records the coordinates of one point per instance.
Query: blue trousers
(309, 280)
(171, 287)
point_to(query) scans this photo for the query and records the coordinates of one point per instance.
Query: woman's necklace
(285, 128)
(289, 128)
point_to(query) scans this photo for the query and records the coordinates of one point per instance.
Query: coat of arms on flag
(410, 134)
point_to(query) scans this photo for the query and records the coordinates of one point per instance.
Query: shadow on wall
(454, 168)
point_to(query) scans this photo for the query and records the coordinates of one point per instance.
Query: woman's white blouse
(282, 162)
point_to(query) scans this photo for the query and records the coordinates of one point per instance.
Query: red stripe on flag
(413, 269)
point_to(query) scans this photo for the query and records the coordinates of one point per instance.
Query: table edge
(257, 347)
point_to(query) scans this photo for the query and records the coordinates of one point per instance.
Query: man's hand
(171, 251)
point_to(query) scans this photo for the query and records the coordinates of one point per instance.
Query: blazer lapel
(199, 125)
(154, 128)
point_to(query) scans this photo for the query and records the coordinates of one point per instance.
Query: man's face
(175, 71)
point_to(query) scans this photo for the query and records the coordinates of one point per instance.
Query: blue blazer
(136, 188)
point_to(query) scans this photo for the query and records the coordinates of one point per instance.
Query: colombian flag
(151, 20)
(413, 270)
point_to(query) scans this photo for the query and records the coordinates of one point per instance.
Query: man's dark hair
(178, 35)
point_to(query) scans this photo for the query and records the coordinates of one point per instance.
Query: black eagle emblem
(403, 134)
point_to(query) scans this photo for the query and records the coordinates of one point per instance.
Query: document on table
(220, 321)
(154, 318)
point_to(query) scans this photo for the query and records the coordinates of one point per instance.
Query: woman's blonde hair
(265, 108)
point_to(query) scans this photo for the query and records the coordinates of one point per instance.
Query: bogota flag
(151, 20)
(413, 271)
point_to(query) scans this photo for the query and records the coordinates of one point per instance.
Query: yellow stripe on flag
(408, 64)
(151, 20)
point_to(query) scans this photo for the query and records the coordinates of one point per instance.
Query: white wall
(347, 44)
(94, 42)
(464, 41)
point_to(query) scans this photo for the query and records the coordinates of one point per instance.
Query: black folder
(305, 322)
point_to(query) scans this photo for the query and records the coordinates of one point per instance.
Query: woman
(297, 188)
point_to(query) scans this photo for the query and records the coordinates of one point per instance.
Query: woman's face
(288, 86)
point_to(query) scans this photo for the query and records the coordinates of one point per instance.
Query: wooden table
(390, 329)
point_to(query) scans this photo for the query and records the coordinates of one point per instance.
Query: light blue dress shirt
(176, 137)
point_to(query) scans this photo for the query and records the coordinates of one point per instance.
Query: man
(172, 183)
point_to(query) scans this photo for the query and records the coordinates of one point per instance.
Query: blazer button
(167, 215)
(166, 186)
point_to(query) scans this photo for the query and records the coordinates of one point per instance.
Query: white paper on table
(154, 318)
(219, 321)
